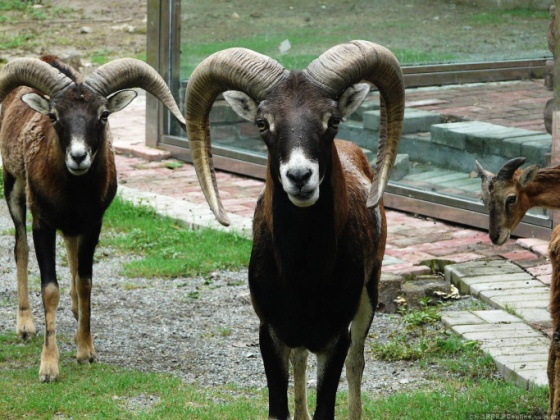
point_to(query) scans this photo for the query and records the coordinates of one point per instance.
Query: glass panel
(417, 31)
(436, 160)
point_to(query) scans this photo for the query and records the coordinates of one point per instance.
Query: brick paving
(515, 332)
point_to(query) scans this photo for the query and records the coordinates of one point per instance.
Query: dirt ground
(103, 28)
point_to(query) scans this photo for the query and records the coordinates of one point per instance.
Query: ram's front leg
(72, 252)
(275, 356)
(329, 369)
(44, 239)
(86, 249)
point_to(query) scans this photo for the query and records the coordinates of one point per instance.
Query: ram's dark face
(298, 123)
(79, 117)
(298, 127)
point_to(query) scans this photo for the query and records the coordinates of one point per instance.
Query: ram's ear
(528, 175)
(121, 99)
(242, 104)
(37, 103)
(352, 98)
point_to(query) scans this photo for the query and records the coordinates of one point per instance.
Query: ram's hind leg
(14, 191)
(298, 357)
(355, 361)
(86, 249)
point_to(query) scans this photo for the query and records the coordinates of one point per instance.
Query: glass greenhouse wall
(437, 42)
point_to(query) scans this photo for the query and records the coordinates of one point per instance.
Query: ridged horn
(127, 73)
(507, 171)
(346, 64)
(230, 69)
(33, 73)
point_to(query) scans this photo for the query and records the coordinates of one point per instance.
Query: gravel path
(203, 330)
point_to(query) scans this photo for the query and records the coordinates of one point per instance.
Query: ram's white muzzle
(300, 178)
(78, 156)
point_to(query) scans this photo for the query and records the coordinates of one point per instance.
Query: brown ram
(58, 160)
(508, 196)
(319, 226)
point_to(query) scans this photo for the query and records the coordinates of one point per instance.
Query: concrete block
(513, 343)
(538, 316)
(535, 151)
(516, 304)
(518, 350)
(503, 335)
(454, 134)
(455, 318)
(496, 316)
(524, 375)
(490, 141)
(415, 120)
(465, 283)
(511, 147)
(514, 295)
(489, 328)
(476, 288)
(477, 268)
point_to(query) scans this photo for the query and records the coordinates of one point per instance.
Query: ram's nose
(299, 176)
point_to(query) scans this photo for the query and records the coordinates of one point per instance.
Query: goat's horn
(33, 73)
(345, 64)
(507, 171)
(230, 69)
(126, 73)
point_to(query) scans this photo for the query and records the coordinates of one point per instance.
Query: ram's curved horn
(230, 69)
(507, 171)
(127, 73)
(33, 73)
(347, 64)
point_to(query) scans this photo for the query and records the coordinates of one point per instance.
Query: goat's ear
(37, 103)
(352, 98)
(242, 104)
(121, 99)
(528, 175)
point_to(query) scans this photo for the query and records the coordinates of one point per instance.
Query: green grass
(306, 46)
(499, 16)
(105, 391)
(166, 248)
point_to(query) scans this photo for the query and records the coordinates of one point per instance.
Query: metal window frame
(163, 37)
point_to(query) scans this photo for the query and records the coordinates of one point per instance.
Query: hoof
(86, 357)
(26, 332)
(48, 374)
(25, 327)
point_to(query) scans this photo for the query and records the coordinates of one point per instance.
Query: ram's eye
(334, 122)
(512, 199)
(262, 125)
(104, 116)
(52, 117)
